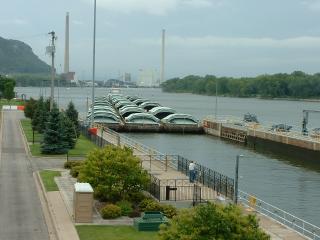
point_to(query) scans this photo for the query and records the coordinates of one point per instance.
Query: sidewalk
(63, 225)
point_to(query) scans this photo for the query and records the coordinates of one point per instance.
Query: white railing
(304, 228)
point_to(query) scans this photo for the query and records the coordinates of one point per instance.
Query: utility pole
(94, 59)
(163, 46)
(51, 50)
(216, 109)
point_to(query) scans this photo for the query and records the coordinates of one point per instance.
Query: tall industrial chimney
(66, 50)
(163, 56)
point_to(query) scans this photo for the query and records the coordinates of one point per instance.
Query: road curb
(48, 214)
(25, 141)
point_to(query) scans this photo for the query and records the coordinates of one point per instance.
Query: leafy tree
(7, 87)
(213, 221)
(114, 173)
(8, 92)
(69, 136)
(30, 108)
(53, 140)
(72, 114)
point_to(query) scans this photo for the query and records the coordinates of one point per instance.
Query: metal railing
(301, 226)
(205, 176)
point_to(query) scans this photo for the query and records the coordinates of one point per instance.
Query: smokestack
(163, 56)
(66, 50)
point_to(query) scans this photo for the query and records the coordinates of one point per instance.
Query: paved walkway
(21, 215)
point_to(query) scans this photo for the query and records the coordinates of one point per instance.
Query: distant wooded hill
(18, 57)
(295, 85)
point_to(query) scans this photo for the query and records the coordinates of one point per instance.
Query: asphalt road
(21, 216)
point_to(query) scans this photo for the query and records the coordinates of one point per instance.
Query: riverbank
(249, 97)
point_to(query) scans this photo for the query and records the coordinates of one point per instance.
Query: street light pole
(236, 184)
(94, 60)
(53, 71)
(216, 109)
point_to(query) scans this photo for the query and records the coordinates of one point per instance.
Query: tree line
(295, 85)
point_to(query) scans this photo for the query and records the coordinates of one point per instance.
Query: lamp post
(94, 60)
(236, 187)
(216, 108)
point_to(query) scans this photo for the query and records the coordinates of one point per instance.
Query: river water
(292, 184)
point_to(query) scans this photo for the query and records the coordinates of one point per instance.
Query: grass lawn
(48, 180)
(27, 128)
(82, 148)
(113, 233)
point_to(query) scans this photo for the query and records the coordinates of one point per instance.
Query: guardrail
(301, 226)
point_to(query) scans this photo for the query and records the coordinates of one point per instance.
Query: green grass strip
(48, 180)
(27, 128)
(114, 233)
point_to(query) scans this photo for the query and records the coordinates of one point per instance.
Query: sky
(219, 37)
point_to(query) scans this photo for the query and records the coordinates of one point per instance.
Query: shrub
(113, 172)
(213, 221)
(135, 213)
(169, 210)
(72, 163)
(150, 205)
(136, 197)
(74, 172)
(126, 207)
(110, 211)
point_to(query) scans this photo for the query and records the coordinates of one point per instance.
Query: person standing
(192, 171)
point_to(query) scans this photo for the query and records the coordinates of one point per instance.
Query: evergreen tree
(36, 114)
(41, 115)
(69, 136)
(30, 108)
(73, 114)
(53, 142)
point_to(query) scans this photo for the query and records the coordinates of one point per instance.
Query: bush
(74, 172)
(213, 221)
(113, 172)
(110, 211)
(126, 207)
(150, 204)
(169, 210)
(72, 163)
(135, 213)
(136, 197)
